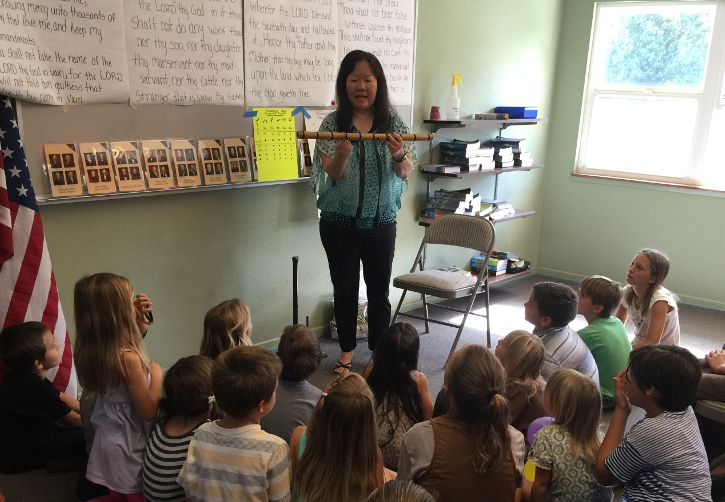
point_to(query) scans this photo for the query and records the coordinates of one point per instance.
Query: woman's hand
(344, 148)
(394, 142)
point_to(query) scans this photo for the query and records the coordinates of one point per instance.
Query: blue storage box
(519, 112)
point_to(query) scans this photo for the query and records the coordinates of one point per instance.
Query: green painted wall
(595, 227)
(189, 251)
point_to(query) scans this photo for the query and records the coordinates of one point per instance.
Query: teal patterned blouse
(364, 198)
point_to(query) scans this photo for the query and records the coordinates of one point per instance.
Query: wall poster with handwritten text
(291, 52)
(387, 29)
(63, 52)
(185, 52)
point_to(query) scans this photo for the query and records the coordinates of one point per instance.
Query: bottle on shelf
(454, 102)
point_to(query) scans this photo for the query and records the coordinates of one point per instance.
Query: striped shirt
(163, 459)
(236, 465)
(662, 459)
(566, 350)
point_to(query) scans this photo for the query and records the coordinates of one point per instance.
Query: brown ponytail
(475, 380)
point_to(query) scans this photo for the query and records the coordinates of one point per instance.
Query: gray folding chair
(453, 230)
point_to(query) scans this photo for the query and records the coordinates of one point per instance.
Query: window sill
(698, 189)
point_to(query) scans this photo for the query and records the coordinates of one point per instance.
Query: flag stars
(8, 103)
(7, 152)
(22, 190)
(15, 171)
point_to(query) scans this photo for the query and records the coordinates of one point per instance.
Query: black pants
(345, 248)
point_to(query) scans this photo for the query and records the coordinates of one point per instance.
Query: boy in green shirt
(605, 335)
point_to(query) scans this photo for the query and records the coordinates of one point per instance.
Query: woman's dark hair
(187, 388)
(381, 105)
(395, 356)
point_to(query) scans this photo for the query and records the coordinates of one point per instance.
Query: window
(654, 107)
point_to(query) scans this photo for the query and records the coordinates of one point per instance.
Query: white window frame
(709, 97)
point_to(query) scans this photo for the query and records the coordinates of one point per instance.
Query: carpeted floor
(701, 331)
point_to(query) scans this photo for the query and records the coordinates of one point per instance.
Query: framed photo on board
(127, 165)
(210, 150)
(238, 161)
(156, 156)
(64, 169)
(96, 159)
(183, 153)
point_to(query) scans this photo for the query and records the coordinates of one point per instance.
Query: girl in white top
(651, 307)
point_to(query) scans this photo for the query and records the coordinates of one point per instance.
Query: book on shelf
(502, 164)
(484, 151)
(486, 166)
(463, 193)
(506, 157)
(503, 150)
(505, 255)
(441, 168)
(491, 116)
(497, 273)
(460, 145)
(473, 203)
(518, 143)
(465, 161)
(523, 162)
(497, 263)
(497, 204)
(522, 155)
(500, 214)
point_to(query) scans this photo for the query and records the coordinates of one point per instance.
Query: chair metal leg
(400, 303)
(463, 323)
(425, 310)
(488, 318)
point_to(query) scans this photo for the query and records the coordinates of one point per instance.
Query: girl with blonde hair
(565, 452)
(522, 355)
(650, 306)
(227, 325)
(470, 453)
(336, 457)
(112, 366)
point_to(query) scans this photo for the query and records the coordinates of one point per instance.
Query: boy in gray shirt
(296, 398)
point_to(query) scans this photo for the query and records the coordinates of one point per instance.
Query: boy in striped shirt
(662, 457)
(232, 459)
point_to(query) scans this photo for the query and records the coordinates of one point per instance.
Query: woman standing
(359, 186)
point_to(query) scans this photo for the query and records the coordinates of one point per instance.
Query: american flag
(27, 284)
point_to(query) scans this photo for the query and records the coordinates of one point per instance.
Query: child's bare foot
(344, 363)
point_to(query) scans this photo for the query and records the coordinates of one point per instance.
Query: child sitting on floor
(662, 457)
(185, 405)
(550, 308)
(401, 391)
(647, 303)
(296, 398)
(336, 458)
(225, 455)
(605, 335)
(30, 406)
(522, 355)
(470, 453)
(565, 451)
(227, 325)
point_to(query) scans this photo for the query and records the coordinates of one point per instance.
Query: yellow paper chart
(274, 136)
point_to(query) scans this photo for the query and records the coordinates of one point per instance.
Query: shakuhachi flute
(356, 136)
